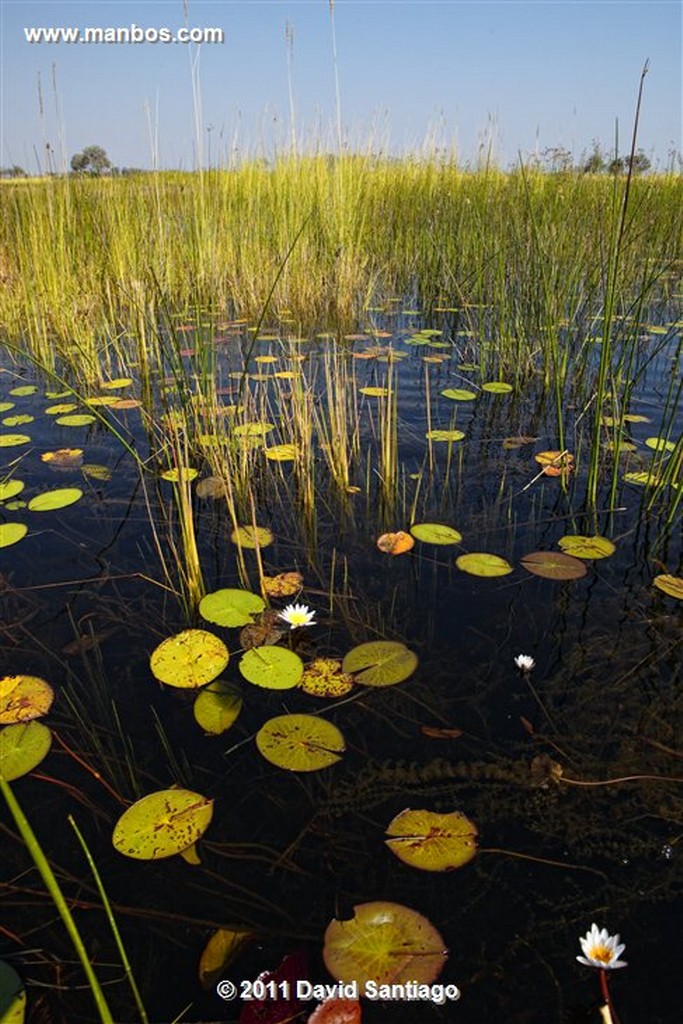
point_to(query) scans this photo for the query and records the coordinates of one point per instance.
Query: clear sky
(510, 75)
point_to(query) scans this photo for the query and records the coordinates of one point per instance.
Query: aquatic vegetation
(297, 615)
(600, 949)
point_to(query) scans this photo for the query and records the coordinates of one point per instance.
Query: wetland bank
(442, 411)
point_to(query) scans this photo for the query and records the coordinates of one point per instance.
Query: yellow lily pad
(482, 563)
(324, 677)
(50, 501)
(162, 824)
(300, 743)
(252, 537)
(671, 585)
(23, 698)
(189, 659)
(217, 707)
(587, 547)
(435, 533)
(22, 747)
(273, 668)
(12, 533)
(431, 841)
(380, 663)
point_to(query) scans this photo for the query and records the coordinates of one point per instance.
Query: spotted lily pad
(22, 748)
(435, 533)
(12, 533)
(671, 585)
(324, 677)
(231, 607)
(95, 471)
(162, 824)
(586, 547)
(217, 707)
(384, 942)
(285, 584)
(554, 565)
(274, 668)
(300, 743)
(431, 841)
(189, 659)
(50, 501)
(482, 563)
(23, 698)
(64, 458)
(380, 663)
(250, 537)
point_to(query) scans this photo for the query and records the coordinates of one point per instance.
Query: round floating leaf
(431, 841)
(22, 748)
(300, 743)
(268, 628)
(283, 452)
(127, 403)
(386, 943)
(395, 543)
(374, 392)
(52, 500)
(283, 585)
(459, 394)
(435, 533)
(274, 668)
(444, 435)
(497, 387)
(586, 547)
(189, 659)
(671, 585)
(63, 407)
(659, 444)
(12, 440)
(250, 537)
(12, 996)
(96, 472)
(481, 563)
(175, 474)
(23, 698)
(24, 389)
(11, 533)
(230, 607)
(77, 420)
(64, 458)
(554, 565)
(10, 489)
(217, 707)
(324, 677)
(162, 824)
(380, 663)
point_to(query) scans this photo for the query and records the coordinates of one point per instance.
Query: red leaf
(293, 968)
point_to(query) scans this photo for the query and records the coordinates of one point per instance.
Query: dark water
(286, 852)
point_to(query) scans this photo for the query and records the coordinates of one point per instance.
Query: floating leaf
(23, 698)
(253, 429)
(380, 663)
(162, 824)
(431, 841)
(481, 563)
(12, 996)
(323, 677)
(555, 463)
(642, 478)
(217, 707)
(252, 537)
(24, 389)
(18, 421)
(395, 543)
(231, 607)
(117, 384)
(283, 585)
(435, 533)
(189, 659)
(632, 417)
(658, 444)
(96, 472)
(82, 420)
(268, 628)
(300, 743)
(63, 407)
(12, 440)
(50, 501)
(386, 943)
(64, 458)
(126, 403)
(101, 400)
(497, 387)
(222, 948)
(12, 533)
(554, 565)
(459, 394)
(179, 472)
(586, 547)
(374, 392)
(274, 668)
(283, 452)
(444, 435)
(22, 748)
(6, 406)
(210, 487)
(671, 585)
(10, 489)
(518, 441)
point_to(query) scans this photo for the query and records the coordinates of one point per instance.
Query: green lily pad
(497, 387)
(49, 501)
(386, 943)
(431, 841)
(444, 435)
(62, 407)
(189, 659)
(77, 420)
(175, 474)
(17, 421)
(230, 607)
(101, 400)
(12, 996)
(10, 489)
(23, 698)
(274, 668)
(586, 547)
(300, 743)
(217, 707)
(658, 444)
(117, 384)
(671, 585)
(459, 394)
(482, 563)
(554, 565)
(373, 391)
(380, 663)
(641, 478)
(435, 533)
(250, 537)
(12, 533)
(22, 748)
(162, 824)
(12, 440)
(24, 389)
(6, 406)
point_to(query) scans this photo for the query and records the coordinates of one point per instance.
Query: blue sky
(511, 75)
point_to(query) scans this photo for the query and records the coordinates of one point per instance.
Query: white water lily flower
(525, 662)
(601, 949)
(297, 615)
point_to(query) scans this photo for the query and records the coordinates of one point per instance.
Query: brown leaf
(395, 543)
(545, 771)
(264, 630)
(435, 733)
(283, 585)
(519, 441)
(526, 725)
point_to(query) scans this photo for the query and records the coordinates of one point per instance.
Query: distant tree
(595, 163)
(639, 164)
(92, 160)
(557, 159)
(13, 172)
